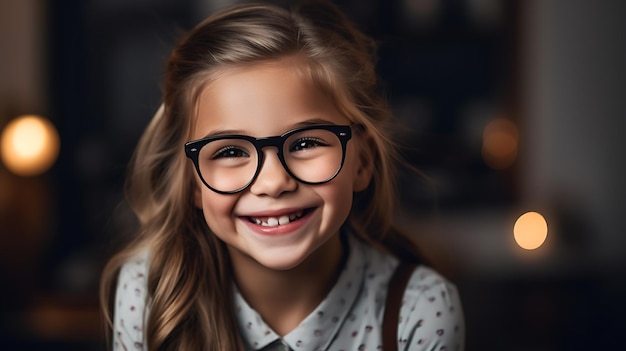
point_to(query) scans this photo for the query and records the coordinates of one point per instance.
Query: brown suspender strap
(395, 291)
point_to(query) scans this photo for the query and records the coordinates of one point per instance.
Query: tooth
(283, 220)
(272, 222)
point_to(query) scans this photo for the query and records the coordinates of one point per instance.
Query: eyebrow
(308, 122)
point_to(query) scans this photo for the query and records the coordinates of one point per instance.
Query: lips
(273, 221)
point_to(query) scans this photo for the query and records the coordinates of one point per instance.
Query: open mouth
(280, 220)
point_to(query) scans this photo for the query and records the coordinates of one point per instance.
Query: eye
(229, 152)
(308, 143)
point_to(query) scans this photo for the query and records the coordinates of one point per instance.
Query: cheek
(217, 209)
(339, 192)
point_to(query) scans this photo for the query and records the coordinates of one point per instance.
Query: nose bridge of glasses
(272, 172)
(275, 141)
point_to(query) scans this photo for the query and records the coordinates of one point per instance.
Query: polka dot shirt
(349, 318)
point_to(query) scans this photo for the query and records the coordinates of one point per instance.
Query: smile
(280, 220)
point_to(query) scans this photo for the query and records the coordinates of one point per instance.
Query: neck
(285, 297)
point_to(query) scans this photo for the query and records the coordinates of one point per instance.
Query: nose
(272, 180)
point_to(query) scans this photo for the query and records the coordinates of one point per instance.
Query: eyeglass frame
(192, 150)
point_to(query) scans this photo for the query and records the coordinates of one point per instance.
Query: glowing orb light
(29, 145)
(530, 230)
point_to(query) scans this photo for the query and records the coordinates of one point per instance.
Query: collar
(320, 327)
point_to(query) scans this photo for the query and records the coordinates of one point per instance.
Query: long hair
(189, 278)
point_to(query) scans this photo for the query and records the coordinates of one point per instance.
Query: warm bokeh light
(29, 145)
(500, 143)
(530, 230)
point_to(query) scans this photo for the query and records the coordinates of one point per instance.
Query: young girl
(264, 191)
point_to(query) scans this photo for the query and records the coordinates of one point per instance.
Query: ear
(365, 168)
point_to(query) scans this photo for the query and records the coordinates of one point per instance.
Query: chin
(280, 263)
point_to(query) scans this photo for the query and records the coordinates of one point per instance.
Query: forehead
(262, 99)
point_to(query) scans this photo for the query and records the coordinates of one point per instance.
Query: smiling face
(277, 222)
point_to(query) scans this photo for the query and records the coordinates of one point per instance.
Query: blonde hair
(187, 313)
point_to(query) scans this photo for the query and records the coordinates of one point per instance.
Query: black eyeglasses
(228, 164)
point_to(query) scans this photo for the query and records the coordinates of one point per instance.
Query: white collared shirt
(349, 318)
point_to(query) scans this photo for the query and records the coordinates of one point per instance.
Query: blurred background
(507, 107)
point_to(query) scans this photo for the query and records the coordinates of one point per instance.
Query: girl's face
(268, 100)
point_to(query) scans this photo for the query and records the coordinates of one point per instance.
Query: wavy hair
(187, 313)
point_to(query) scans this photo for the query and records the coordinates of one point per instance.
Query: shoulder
(431, 314)
(132, 279)
(135, 269)
(425, 281)
(130, 304)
